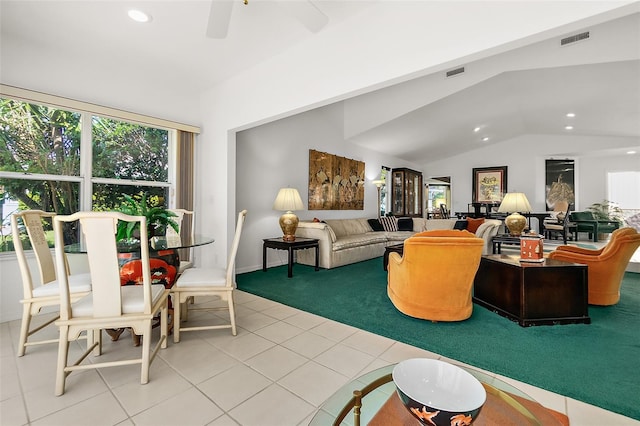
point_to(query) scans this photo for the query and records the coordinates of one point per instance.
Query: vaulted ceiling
(527, 90)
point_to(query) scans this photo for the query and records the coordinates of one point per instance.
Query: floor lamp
(378, 183)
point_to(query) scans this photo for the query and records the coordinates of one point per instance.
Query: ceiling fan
(303, 10)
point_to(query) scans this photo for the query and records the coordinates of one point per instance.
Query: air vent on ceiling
(574, 38)
(456, 71)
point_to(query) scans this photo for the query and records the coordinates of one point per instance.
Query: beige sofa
(345, 241)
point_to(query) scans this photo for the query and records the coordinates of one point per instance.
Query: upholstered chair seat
(433, 279)
(606, 266)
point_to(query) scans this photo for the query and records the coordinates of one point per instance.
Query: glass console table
(381, 406)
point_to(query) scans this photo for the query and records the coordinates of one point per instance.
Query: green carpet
(598, 363)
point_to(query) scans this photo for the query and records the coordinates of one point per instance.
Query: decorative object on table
(158, 217)
(606, 265)
(531, 248)
(438, 393)
(559, 186)
(335, 183)
(379, 183)
(489, 184)
(288, 200)
(514, 203)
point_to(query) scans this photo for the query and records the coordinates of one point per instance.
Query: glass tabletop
(156, 243)
(373, 401)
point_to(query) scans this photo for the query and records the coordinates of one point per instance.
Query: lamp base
(289, 223)
(516, 223)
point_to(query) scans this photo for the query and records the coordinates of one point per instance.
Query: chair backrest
(234, 247)
(623, 243)
(577, 216)
(187, 227)
(99, 231)
(32, 221)
(444, 213)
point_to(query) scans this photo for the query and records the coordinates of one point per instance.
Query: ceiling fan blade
(219, 18)
(307, 13)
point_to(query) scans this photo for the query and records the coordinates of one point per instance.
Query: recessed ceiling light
(138, 16)
(568, 127)
(631, 152)
(571, 115)
(477, 129)
(486, 138)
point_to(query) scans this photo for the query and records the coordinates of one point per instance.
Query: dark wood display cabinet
(406, 192)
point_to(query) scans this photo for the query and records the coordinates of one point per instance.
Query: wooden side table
(290, 246)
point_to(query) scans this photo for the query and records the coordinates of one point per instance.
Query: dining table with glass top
(164, 257)
(371, 399)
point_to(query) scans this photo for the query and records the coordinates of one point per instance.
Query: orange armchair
(606, 265)
(433, 279)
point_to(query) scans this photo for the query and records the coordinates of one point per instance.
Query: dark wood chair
(554, 227)
(444, 213)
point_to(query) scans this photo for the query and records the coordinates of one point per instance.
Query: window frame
(87, 112)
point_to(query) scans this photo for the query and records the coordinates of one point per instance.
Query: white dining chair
(207, 282)
(35, 297)
(109, 304)
(172, 234)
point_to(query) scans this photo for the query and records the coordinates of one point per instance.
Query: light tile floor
(277, 371)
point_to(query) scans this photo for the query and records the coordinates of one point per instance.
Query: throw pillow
(375, 225)
(460, 225)
(474, 224)
(389, 223)
(405, 224)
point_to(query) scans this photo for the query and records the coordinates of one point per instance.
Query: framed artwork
(489, 184)
(559, 184)
(335, 183)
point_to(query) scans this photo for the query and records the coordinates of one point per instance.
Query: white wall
(525, 158)
(276, 155)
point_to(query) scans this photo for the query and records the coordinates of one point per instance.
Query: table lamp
(288, 199)
(513, 203)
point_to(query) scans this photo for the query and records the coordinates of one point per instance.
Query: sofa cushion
(399, 235)
(405, 224)
(473, 224)
(344, 227)
(460, 225)
(375, 225)
(350, 241)
(433, 224)
(389, 223)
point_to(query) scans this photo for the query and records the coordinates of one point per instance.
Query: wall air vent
(456, 71)
(574, 38)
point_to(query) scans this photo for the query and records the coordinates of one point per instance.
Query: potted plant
(158, 218)
(606, 211)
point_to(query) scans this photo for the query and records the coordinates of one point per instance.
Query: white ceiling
(526, 91)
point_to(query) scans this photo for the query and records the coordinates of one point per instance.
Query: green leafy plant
(606, 210)
(157, 217)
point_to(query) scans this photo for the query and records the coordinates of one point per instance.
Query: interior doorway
(438, 193)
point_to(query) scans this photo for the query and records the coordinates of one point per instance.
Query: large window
(64, 161)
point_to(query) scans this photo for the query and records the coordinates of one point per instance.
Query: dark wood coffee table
(397, 248)
(551, 292)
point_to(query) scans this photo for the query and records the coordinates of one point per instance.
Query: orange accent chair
(606, 266)
(433, 279)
